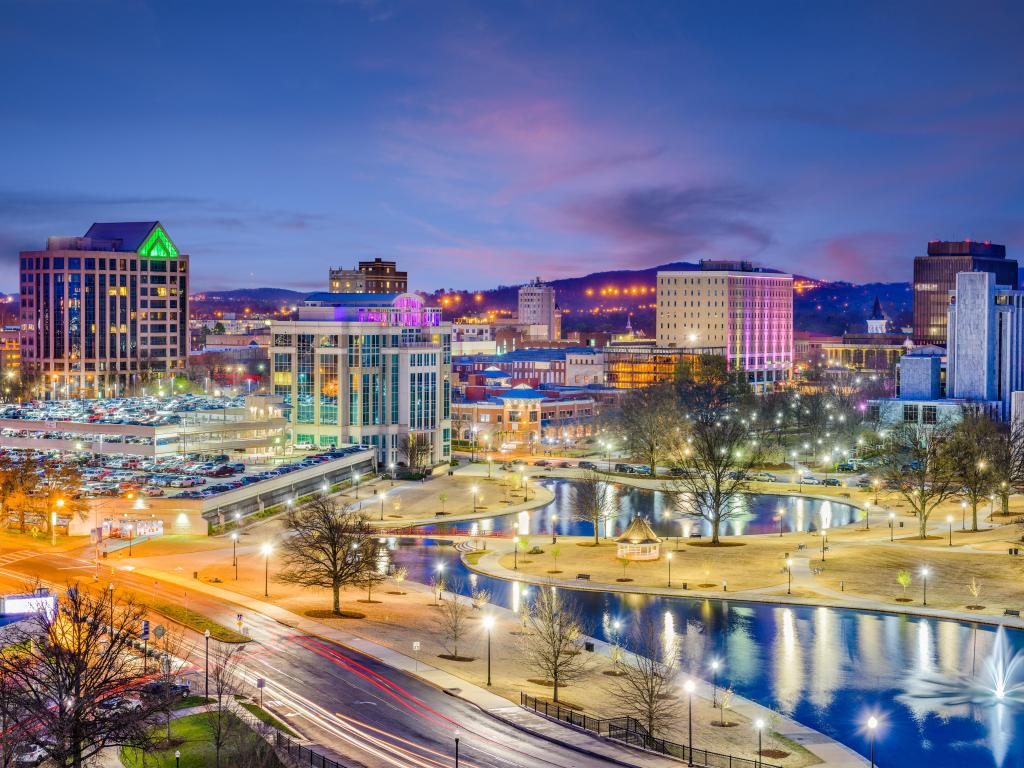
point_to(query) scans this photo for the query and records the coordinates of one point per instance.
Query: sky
(485, 143)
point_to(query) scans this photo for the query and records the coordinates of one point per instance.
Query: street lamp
(867, 516)
(391, 467)
(892, 525)
(963, 515)
(872, 726)
(266, 549)
(474, 489)
(488, 625)
(759, 724)
(382, 506)
(53, 523)
(875, 484)
(355, 482)
(206, 634)
(924, 582)
(554, 519)
(130, 532)
(824, 540)
(689, 687)
(715, 664)
(177, 758)
(949, 519)
(669, 558)
(490, 461)
(789, 572)
(780, 514)
(456, 748)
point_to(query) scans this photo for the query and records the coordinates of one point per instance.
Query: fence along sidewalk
(629, 730)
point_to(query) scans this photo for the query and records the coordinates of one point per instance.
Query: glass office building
(105, 314)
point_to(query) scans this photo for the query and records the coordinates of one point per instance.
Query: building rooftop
(325, 299)
(129, 235)
(639, 531)
(521, 392)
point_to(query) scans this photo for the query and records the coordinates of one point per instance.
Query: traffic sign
(145, 629)
(261, 683)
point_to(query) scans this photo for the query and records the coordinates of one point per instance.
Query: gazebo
(638, 541)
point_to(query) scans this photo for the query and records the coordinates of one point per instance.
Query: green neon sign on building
(158, 246)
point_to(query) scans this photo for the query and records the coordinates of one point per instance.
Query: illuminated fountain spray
(996, 689)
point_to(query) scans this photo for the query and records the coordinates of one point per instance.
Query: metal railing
(304, 755)
(630, 731)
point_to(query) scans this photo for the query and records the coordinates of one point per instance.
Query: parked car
(541, 463)
(811, 480)
(565, 465)
(831, 481)
(27, 754)
(846, 466)
(620, 467)
(587, 465)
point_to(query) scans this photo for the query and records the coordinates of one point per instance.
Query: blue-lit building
(366, 368)
(106, 313)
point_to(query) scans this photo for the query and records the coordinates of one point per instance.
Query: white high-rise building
(366, 368)
(537, 307)
(733, 305)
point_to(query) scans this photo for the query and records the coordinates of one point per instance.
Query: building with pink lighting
(365, 369)
(746, 310)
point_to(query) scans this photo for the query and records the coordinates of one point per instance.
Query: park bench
(1011, 612)
(583, 576)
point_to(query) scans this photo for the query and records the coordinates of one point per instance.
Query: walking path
(492, 704)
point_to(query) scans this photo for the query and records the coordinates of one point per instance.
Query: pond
(945, 691)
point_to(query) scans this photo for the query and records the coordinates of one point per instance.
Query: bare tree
(327, 546)
(592, 501)
(970, 443)
(553, 643)
(647, 684)
(453, 621)
(1006, 451)
(717, 458)
(648, 419)
(416, 448)
(223, 673)
(62, 665)
(919, 468)
(18, 484)
(63, 485)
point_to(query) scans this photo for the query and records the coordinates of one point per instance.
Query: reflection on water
(749, 513)
(827, 668)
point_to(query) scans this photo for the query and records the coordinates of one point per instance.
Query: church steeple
(877, 322)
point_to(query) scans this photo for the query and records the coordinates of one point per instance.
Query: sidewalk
(492, 704)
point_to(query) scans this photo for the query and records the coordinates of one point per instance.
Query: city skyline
(520, 140)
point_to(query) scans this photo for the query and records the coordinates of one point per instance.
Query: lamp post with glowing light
(949, 519)
(266, 549)
(355, 482)
(474, 489)
(963, 515)
(234, 553)
(715, 664)
(130, 528)
(872, 727)
(789, 573)
(759, 725)
(924, 585)
(206, 634)
(892, 526)
(554, 519)
(689, 687)
(668, 557)
(391, 466)
(382, 506)
(488, 625)
(53, 522)
(874, 484)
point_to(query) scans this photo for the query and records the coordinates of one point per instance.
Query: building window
(909, 414)
(929, 414)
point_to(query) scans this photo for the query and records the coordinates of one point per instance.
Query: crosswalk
(13, 557)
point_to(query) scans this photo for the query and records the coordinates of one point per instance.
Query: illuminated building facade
(632, 366)
(365, 368)
(103, 314)
(518, 416)
(10, 351)
(377, 276)
(745, 309)
(935, 276)
(537, 308)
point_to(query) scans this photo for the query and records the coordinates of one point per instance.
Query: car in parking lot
(811, 480)
(587, 465)
(831, 481)
(28, 754)
(541, 463)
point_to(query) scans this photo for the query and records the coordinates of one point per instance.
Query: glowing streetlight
(474, 489)
(924, 583)
(234, 553)
(759, 725)
(488, 625)
(382, 496)
(872, 727)
(789, 573)
(266, 549)
(668, 557)
(892, 525)
(949, 521)
(715, 664)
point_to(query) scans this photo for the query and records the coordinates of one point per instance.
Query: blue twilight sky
(487, 142)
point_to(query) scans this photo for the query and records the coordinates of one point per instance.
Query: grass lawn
(265, 717)
(193, 620)
(191, 701)
(192, 737)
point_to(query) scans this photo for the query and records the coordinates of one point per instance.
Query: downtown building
(984, 359)
(104, 314)
(365, 369)
(377, 276)
(745, 310)
(537, 307)
(935, 276)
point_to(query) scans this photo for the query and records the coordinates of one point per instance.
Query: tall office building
(746, 310)
(537, 307)
(935, 276)
(106, 313)
(375, 276)
(366, 368)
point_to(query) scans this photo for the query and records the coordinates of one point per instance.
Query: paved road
(367, 713)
